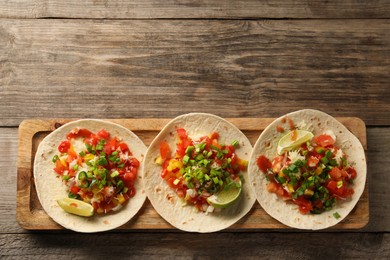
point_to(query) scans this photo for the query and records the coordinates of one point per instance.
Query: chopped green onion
(114, 174)
(55, 158)
(100, 145)
(186, 159)
(82, 154)
(114, 153)
(216, 180)
(75, 167)
(200, 147)
(328, 154)
(72, 196)
(235, 143)
(189, 149)
(336, 215)
(89, 147)
(324, 160)
(344, 162)
(199, 157)
(339, 184)
(120, 166)
(333, 162)
(102, 161)
(65, 177)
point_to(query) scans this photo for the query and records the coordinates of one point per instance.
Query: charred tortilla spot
(170, 198)
(57, 125)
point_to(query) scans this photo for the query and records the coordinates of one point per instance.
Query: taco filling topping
(314, 174)
(201, 168)
(97, 169)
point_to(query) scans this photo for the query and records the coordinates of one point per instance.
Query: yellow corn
(290, 188)
(89, 157)
(63, 161)
(159, 160)
(318, 171)
(174, 164)
(242, 162)
(120, 198)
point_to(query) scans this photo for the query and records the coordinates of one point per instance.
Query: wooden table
(159, 59)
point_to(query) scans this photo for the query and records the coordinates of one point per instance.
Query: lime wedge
(292, 140)
(76, 207)
(225, 198)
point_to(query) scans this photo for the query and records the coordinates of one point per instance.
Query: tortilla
(49, 185)
(164, 199)
(287, 213)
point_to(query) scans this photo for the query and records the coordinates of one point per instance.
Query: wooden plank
(141, 9)
(196, 246)
(30, 214)
(136, 69)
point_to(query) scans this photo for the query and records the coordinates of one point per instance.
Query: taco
(90, 167)
(193, 160)
(308, 170)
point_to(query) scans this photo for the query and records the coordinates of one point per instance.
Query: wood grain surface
(30, 214)
(161, 58)
(139, 69)
(179, 9)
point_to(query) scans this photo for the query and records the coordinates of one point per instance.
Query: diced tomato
(71, 155)
(277, 163)
(332, 186)
(304, 205)
(182, 133)
(92, 140)
(165, 150)
(312, 161)
(131, 192)
(216, 144)
(277, 189)
(64, 146)
(110, 146)
(123, 147)
(103, 134)
(230, 149)
(263, 163)
(74, 189)
(324, 140)
(82, 132)
(214, 135)
(181, 193)
(164, 173)
(206, 140)
(170, 182)
(352, 172)
(335, 173)
(60, 168)
(135, 162)
(345, 175)
(130, 175)
(317, 204)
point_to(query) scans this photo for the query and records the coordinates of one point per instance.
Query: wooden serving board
(31, 216)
